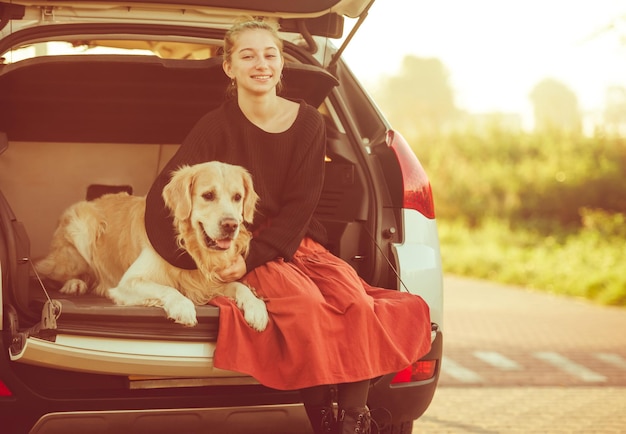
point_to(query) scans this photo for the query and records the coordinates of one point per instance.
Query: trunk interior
(105, 123)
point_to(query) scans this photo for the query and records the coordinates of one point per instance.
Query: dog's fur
(102, 245)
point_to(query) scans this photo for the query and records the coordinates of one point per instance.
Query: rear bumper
(99, 355)
(47, 400)
(258, 419)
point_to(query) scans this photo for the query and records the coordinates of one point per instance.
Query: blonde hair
(241, 25)
(249, 23)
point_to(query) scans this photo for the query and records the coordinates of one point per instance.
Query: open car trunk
(82, 126)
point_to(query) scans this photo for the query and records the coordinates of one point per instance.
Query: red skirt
(327, 326)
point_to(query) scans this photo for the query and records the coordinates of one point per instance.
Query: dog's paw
(255, 313)
(182, 311)
(74, 287)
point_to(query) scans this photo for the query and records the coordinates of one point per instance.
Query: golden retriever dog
(101, 245)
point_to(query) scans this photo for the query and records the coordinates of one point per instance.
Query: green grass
(583, 263)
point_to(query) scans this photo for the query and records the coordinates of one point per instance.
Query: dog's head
(212, 201)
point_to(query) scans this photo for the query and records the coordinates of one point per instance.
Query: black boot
(322, 419)
(355, 421)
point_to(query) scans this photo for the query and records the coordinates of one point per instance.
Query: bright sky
(497, 50)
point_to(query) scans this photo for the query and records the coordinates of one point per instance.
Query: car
(95, 97)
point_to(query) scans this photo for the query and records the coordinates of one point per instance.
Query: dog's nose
(229, 225)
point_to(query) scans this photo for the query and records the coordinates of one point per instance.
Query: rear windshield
(162, 49)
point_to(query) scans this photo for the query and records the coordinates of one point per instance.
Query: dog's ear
(251, 198)
(177, 192)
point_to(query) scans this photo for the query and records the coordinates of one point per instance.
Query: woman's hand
(234, 271)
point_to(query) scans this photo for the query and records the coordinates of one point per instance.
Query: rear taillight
(418, 194)
(4, 390)
(418, 371)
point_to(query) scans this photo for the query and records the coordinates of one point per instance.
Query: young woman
(327, 326)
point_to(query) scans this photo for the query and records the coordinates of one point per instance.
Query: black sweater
(287, 170)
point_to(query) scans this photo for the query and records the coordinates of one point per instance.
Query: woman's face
(256, 62)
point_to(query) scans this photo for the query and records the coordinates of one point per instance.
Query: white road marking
(570, 367)
(498, 360)
(612, 359)
(452, 368)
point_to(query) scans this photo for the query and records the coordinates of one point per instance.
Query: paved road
(517, 361)
(551, 410)
(499, 335)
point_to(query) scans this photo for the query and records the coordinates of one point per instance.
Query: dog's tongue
(224, 243)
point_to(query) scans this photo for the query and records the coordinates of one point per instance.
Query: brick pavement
(481, 315)
(552, 410)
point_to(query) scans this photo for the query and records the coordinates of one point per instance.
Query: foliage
(585, 263)
(615, 111)
(521, 177)
(544, 210)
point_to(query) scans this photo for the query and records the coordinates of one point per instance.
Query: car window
(162, 49)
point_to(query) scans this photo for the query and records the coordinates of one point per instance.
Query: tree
(419, 99)
(615, 109)
(555, 107)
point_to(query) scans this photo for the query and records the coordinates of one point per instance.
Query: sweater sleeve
(159, 222)
(305, 176)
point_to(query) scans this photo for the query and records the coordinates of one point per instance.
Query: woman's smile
(256, 61)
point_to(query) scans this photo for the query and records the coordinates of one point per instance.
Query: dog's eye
(208, 196)
(237, 197)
